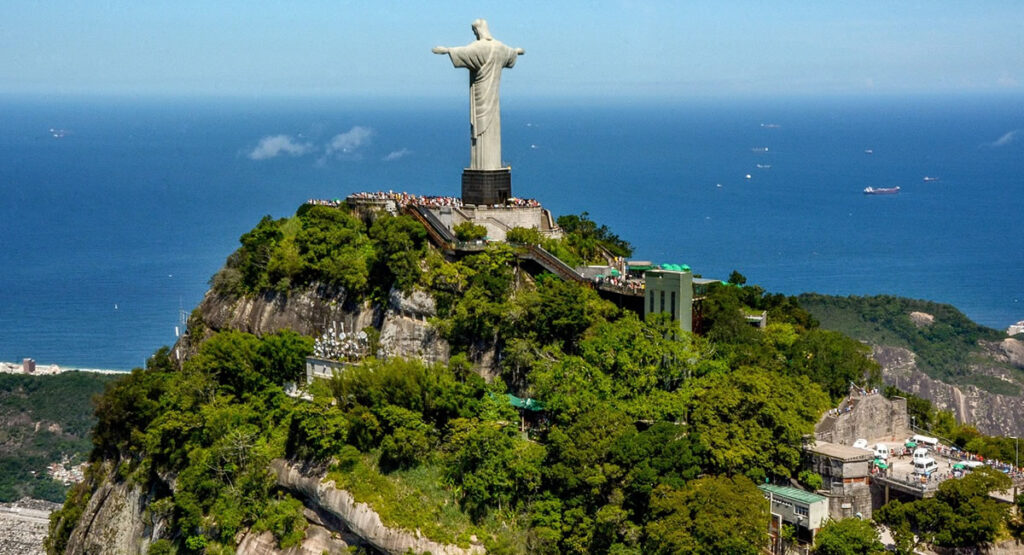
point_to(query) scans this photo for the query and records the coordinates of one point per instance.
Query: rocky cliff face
(114, 519)
(359, 518)
(405, 331)
(991, 413)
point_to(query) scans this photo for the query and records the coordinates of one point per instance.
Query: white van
(920, 453)
(881, 451)
(925, 466)
(861, 444)
(925, 440)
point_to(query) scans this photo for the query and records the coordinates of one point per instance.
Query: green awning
(959, 466)
(880, 464)
(525, 404)
(614, 272)
(910, 444)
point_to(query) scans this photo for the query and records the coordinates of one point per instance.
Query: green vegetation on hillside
(42, 420)
(944, 347)
(367, 253)
(960, 515)
(215, 425)
(334, 246)
(650, 439)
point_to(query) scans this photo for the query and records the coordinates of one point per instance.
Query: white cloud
(1006, 80)
(275, 145)
(396, 154)
(349, 141)
(1006, 139)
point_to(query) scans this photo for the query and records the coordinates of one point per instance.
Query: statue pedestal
(486, 186)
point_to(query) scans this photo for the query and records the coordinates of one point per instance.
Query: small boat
(868, 151)
(881, 190)
(926, 178)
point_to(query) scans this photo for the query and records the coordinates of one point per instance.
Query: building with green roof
(804, 510)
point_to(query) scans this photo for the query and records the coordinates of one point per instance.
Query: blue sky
(588, 49)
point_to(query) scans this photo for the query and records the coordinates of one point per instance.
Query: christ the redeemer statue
(485, 58)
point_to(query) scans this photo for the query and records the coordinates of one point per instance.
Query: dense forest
(44, 420)
(648, 439)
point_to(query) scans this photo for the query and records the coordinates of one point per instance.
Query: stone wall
(871, 417)
(846, 500)
(498, 220)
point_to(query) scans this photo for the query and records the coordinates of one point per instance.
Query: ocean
(115, 212)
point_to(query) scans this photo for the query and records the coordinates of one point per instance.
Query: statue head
(481, 31)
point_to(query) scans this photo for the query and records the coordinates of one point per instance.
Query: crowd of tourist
(622, 282)
(404, 199)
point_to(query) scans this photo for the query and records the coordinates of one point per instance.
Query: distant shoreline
(50, 369)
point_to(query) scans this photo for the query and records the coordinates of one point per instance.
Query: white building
(805, 510)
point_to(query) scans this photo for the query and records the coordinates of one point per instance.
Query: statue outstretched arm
(439, 50)
(520, 51)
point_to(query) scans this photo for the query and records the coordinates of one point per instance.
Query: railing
(438, 233)
(908, 484)
(553, 264)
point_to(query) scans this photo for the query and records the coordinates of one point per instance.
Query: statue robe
(485, 58)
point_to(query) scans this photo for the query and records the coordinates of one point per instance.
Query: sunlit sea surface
(114, 213)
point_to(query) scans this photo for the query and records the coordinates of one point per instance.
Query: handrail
(432, 232)
(553, 263)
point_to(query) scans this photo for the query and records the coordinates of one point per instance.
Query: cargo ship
(881, 190)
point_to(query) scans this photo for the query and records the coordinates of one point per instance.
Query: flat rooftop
(841, 452)
(792, 494)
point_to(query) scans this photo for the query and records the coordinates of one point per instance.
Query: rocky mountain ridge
(991, 413)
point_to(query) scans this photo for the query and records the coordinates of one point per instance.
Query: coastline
(50, 369)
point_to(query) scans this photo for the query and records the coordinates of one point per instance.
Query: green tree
(495, 468)
(713, 515)
(257, 249)
(960, 515)
(524, 236)
(833, 360)
(585, 236)
(850, 536)
(284, 356)
(737, 278)
(468, 231)
(754, 421)
(400, 242)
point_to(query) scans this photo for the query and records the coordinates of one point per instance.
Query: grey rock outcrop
(318, 541)
(403, 323)
(1009, 350)
(309, 311)
(113, 520)
(405, 331)
(991, 413)
(871, 417)
(359, 518)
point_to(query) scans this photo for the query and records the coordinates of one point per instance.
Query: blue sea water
(111, 227)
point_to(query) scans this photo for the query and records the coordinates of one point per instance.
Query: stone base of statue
(486, 186)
